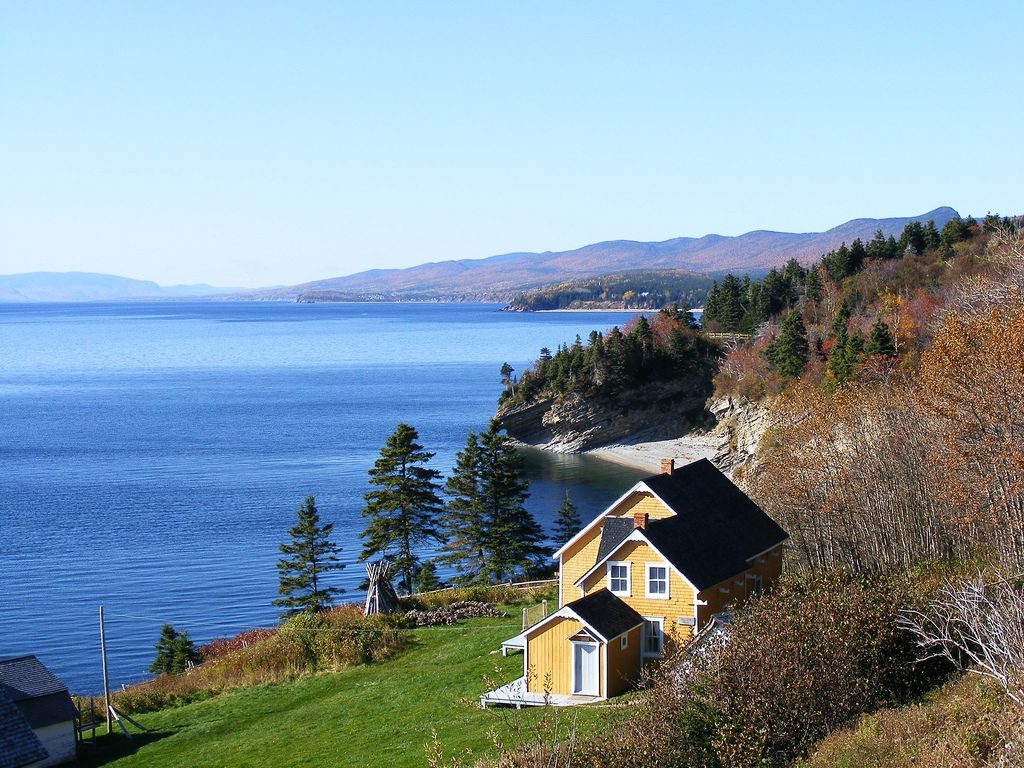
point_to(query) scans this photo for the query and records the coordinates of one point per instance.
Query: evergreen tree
(567, 521)
(465, 516)
(813, 287)
(426, 577)
(880, 341)
(405, 506)
(174, 652)
(307, 557)
(514, 540)
(841, 320)
(788, 353)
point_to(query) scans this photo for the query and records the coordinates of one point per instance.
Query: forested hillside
(630, 290)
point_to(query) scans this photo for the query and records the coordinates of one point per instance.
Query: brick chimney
(639, 520)
(668, 466)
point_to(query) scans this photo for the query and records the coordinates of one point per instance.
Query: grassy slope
(379, 714)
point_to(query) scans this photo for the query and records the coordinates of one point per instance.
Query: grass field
(380, 714)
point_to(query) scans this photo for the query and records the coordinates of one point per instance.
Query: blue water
(153, 455)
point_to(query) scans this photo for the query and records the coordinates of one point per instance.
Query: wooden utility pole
(106, 684)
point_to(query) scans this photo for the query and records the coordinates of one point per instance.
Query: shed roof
(19, 744)
(606, 613)
(38, 694)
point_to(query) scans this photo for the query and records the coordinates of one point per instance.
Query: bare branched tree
(978, 624)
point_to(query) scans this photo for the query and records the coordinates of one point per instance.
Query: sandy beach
(648, 455)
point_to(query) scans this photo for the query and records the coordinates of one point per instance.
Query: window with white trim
(618, 578)
(624, 642)
(754, 585)
(654, 637)
(657, 581)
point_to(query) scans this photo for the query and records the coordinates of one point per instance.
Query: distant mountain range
(497, 278)
(90, 286)
(501, 277)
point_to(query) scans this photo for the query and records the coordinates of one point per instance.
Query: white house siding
(59, 740)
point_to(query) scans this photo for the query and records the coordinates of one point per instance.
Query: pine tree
(426, 577)
(813, 286)
(567, 521)
(788, 353)
(514, 540)
(880, 342)
(405, 507)
(307, 557)
(175, 651)
(465, 515)
(163, 663)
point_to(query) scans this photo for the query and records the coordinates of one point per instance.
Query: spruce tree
(567, 521)
(813, 286)
(514, 540)
(465, 515)
(788, 353)
(307, 557)
(426, 577)
(880, 341)
(405, 507)
(174, 652)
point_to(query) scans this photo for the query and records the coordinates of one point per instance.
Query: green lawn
(379, 714)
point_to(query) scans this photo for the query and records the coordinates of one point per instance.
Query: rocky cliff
(739, 427)
(572, 423)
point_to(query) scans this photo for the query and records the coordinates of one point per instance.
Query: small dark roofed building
(45, 705)
(19, 745)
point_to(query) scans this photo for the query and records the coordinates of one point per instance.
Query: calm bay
(153, 454)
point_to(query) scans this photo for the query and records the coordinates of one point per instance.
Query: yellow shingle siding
(624, 664)
(680, 593)
(641, 502)
(768, 566)
(549, 658)
(581, 556)
(576, 561)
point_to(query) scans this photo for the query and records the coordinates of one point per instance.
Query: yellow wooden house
(648, 573)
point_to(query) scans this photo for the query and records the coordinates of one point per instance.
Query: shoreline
(647, 455)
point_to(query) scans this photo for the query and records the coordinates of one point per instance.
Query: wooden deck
(514, 694)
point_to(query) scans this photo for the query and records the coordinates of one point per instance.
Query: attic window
(618, 578)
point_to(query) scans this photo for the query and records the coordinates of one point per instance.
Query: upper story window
(618, 578)
(657, 581)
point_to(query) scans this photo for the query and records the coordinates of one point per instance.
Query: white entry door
(585, 668)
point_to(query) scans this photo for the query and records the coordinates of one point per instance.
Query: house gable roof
(613, 533)
(715, 532)
(602, 613)
(38, 694)
(606, 613)
(19, 744)
(640, 487)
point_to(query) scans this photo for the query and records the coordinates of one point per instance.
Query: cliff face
(572, 423)
(739, 426)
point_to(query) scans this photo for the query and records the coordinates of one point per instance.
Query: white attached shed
(46, 705)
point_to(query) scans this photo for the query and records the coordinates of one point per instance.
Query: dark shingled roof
(41, 697)
(606, 613)
(19, 744)
(613, 532)
(716, 528)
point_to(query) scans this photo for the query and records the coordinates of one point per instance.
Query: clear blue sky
(259, 143)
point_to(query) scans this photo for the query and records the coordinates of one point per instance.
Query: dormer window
(657, 581)
(618, 578)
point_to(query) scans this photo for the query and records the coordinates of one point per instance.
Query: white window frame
(629, 577)
(647, 581)
(624, 641)
(660, 621)
(757, 588)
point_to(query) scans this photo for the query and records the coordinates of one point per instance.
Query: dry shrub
(962, 725)
(497, 594)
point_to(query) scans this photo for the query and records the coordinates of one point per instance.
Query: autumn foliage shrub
(307, 642)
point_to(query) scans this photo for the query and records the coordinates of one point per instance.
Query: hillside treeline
(898, 430)
(655, 289)
(665, 346)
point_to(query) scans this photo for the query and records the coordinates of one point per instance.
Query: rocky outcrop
(573, 423)
(739, 426)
